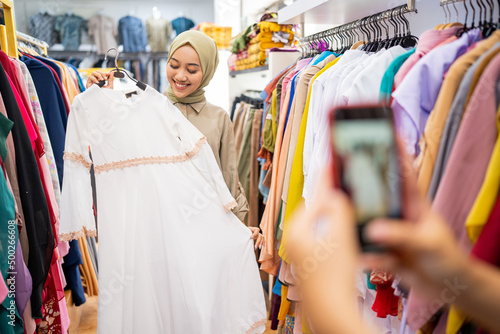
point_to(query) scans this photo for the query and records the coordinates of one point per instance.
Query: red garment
(487, 247)
(386, 303)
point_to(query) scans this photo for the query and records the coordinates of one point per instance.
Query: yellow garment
(478, 216)
(274, 27)
(434, 127)
(262, 46)
(297, 176)
(285, 303)
(67, 81)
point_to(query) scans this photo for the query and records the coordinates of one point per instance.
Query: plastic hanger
(120, 73)
(409, 40)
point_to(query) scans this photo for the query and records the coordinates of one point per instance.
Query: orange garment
(269, 257)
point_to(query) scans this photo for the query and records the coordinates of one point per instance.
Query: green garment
(8, 240)
(390, 73)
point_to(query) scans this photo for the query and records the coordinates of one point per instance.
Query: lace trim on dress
(151, 160)
(76, 235)
(230, 206)
(256, 325)
(78, 158)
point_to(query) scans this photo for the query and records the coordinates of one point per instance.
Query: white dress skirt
(172, 256)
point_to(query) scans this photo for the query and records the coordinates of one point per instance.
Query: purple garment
(414, 99)
(463, 177)
(23, 281)
(426, 42)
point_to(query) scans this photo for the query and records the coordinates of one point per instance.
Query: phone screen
(367, 162)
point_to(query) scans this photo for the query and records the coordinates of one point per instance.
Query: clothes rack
(349, 33)
(8, 32)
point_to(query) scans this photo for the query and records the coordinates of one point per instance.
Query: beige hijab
(209, 59)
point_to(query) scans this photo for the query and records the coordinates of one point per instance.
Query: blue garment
(53, 108)
(53, 65)
(42, 27)
(262, 188)
(277, 284)
(132, 34)
(182, 24)
(321, 57)
(81, 86)
(70, 29)
(72, 272)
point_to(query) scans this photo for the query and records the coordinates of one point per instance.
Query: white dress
(172, 256)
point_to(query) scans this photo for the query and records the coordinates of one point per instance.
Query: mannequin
(159, 31)
(156, 13)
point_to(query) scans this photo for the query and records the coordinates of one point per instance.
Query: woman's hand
(260, 240)
(97, 76)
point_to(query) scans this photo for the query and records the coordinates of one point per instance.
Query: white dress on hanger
(172, 256)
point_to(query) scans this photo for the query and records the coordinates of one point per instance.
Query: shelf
(333, 12)
(250, 70)
(123, 55)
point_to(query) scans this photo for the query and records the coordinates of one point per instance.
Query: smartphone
(366, 164)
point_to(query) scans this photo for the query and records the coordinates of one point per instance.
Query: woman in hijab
(192, 61)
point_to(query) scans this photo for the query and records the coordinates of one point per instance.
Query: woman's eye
(192, 72)
(174, 67)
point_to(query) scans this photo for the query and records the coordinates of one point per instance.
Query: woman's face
(184, 71)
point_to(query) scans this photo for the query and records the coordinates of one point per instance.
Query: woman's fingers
(98, 76)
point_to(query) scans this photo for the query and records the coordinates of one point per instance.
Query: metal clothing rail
(8, 42)
(351, 26)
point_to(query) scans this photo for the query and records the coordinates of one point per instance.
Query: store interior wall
(197, 10)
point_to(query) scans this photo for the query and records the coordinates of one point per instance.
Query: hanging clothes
(197, 239)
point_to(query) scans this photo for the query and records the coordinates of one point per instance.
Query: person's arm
(326, 265)
(429, 260)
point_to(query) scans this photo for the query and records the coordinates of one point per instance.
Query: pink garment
(3, 290)
(284, 86)
(28, 321)
(463, 177)
(297, 328)
(427, 41)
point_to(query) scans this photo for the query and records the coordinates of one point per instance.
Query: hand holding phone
(366, 164)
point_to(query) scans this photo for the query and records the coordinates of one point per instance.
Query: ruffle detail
(151, 160)
(76, 235)
(77, 158)
(230, 206)
(256, 325)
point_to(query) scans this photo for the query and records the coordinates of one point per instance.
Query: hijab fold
(206, 48)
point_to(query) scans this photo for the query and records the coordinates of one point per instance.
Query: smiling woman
(184, 72)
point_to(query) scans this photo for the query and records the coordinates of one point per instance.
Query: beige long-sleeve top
(214, 123)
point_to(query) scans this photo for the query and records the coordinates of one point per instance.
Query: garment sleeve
(205, 162)
(77, 217)
(195, 146)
